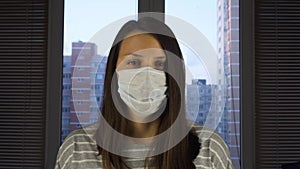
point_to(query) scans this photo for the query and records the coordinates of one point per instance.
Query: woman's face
(145, 92)
(141, 50)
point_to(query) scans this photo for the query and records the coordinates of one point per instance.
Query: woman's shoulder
(207, 134)
(213, 147)
(80, 140)
(83, 134)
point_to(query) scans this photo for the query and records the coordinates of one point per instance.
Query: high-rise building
(83, 80)
(228, 57)
(66, 97)
(82, 55)
(200, 99)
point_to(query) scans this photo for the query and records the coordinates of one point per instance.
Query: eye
(133, 63)
(159, 64)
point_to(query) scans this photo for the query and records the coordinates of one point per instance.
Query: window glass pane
(83, 19)
(218, 21)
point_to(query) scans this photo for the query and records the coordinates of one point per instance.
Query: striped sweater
(79, 151)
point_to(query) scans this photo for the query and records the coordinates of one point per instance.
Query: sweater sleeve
(65, 153)
(219, 152)
(214, 152)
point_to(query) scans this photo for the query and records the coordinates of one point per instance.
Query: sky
(83, 19)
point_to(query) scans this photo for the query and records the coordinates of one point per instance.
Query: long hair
(181, 156)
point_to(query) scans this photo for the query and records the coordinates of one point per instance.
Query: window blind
(277, 82)
(23, 69)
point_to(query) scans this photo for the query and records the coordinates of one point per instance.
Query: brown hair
(180, 156)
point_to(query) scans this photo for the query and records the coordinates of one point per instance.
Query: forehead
(140, 43)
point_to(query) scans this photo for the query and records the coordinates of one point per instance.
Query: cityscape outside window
(221, 29)
(224, 21)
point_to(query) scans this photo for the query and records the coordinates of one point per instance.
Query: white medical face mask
(142, 89)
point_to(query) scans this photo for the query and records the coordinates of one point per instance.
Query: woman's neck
(143, 130)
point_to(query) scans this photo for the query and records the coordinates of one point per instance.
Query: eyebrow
(138, 55)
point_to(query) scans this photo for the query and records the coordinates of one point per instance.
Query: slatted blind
(277, 71)
(23, 54)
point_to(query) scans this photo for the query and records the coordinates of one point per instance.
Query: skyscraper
(82, 55)
(228, 55)
(83, 79)
(66, 97)
(199, 100)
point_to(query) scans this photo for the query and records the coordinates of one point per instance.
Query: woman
(144, 98)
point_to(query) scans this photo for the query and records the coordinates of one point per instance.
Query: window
(102, 65)
(94, 109)
(80, 68)
(66, 75)
(66, 98)
(221, 28)
(68, 87)
(81, 57)
(99, 76)
(66, 109)
(79, 102)
(78, 126)
(79, 113)
(53, 39)
(217, 20)
(80, 80)
(93, 120)
(80, 91)
(89, 65)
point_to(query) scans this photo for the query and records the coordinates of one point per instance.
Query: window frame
(55, 64)
(247, 87)
(54, 75)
